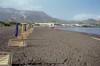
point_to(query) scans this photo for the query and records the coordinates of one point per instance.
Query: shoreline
(56, 46)
(90, 34)
(94, 35)
(47, 46)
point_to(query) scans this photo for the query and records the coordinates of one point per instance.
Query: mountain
(87, 21)
(10, 14)
(90, 21)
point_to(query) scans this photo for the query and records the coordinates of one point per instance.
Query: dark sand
(50, 47)
(6, 33)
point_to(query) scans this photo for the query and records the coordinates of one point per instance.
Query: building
(45, 24)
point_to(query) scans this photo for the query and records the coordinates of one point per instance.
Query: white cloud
(98, 17)
(22, 4)
(85, 16)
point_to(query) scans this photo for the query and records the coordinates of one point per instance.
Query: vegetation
(2, 23)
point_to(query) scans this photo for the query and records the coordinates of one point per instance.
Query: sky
(63, 9)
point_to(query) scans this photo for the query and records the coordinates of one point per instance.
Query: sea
(95, 31)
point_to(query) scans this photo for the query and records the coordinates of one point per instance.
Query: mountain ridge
(14, 15)
(10, 14)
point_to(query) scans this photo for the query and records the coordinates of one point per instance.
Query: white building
(45, 24)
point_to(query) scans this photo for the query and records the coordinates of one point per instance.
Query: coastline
(53, 46)
(90, 34)
(94, 35)
(48, 47)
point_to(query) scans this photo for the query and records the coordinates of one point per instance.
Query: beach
(6, 33)
(54, 47)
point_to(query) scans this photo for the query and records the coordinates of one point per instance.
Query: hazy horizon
(63, 9)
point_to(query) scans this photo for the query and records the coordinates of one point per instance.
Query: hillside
(13, 15)
(10, 14)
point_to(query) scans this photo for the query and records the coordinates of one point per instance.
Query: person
(17, 29)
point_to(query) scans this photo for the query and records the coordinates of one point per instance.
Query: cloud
(85, 16)
(22, 4)
(98, 17)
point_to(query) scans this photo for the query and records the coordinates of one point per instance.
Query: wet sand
(52, 47)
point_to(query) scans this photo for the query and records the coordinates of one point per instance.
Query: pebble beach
(54, 47)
